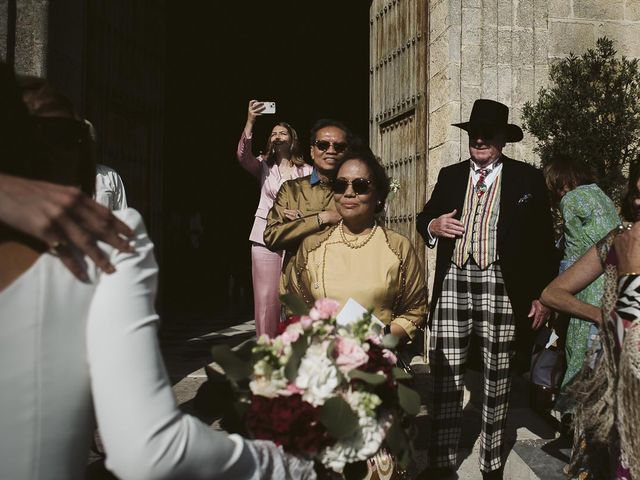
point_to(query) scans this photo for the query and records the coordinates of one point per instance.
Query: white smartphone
(269, 107)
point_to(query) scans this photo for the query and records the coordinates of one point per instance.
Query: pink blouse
(270, 182)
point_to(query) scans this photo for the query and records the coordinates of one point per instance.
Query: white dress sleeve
(144, 433)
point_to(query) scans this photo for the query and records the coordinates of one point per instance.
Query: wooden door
(398, 106)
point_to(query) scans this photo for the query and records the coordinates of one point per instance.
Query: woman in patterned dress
(606, 444)
(588, 214)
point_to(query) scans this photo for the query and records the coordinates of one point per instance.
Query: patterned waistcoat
(480, 218)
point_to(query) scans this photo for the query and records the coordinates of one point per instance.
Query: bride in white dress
(67, 345)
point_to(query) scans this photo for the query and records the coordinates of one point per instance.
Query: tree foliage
(590, 112)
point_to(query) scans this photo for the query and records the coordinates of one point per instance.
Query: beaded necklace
(354, 244)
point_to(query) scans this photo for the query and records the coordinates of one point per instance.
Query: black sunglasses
(360, 186)
(324, 145)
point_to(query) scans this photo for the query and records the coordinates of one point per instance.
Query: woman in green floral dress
(588, 215)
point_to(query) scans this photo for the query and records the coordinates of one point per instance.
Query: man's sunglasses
(361, 186)
(324, 145)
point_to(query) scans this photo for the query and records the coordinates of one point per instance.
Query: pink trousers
(266, 267)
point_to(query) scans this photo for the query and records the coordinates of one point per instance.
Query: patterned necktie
(481, 187)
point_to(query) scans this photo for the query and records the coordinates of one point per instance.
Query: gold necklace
(354, 244)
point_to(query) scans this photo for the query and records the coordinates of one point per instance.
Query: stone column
(4, 24)
(31, 35)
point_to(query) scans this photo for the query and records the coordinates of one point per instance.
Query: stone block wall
(31, 35)
(502, 49)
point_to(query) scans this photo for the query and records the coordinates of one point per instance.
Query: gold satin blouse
(379, 271)
(284, 234)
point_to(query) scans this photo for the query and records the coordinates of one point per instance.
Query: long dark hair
(66, 154)
(17, 150)
(295, 154)
(564, 172)
(46, 147)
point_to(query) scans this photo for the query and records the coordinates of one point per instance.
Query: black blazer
(527, 255)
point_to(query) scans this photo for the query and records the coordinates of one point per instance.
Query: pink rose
(326, 308)
(306, 322)
(291, 389)
(289, 336)
(350, 355)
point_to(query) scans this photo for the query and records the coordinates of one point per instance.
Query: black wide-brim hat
(489, 116)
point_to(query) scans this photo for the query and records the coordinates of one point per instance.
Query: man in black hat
(491, 220)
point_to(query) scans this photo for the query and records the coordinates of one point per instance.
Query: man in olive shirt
(305, 205)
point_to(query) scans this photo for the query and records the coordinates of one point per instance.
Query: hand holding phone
(269, 108)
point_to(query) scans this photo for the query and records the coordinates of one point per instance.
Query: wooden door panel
(398, 127)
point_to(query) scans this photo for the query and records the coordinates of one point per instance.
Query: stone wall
(31, 35)
(502, 49)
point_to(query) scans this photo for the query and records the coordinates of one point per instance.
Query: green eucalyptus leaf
(298, 349)
(398, 443)
(400, 374)
(370, 378)
(234, 367)
(390, 341)
(395, 438)
(338, 418)
(245, 349)
(294, 303)
(408, 399)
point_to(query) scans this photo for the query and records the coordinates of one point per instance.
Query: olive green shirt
(284, 234)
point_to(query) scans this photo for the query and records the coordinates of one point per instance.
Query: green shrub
(590, 112)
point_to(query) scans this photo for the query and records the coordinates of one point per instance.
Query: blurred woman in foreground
(73, 345)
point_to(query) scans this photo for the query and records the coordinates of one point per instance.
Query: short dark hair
(380, 179)
(566, 171)
(629, 210)
(329, 122)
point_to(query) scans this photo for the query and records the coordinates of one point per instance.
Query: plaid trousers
(472, 300)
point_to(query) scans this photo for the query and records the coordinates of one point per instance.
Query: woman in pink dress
(281, 161)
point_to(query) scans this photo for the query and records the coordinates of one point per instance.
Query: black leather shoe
(493, 474)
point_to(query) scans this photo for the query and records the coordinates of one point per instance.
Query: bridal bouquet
(324, 389)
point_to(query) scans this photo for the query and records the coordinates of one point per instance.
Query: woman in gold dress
(361, 259)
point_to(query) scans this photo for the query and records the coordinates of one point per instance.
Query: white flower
(267, 382)
(317, 375)
(264, 388)
(363, 444)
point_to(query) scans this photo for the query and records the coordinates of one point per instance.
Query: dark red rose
(282, 326)
(377, 363)
(288, 421)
